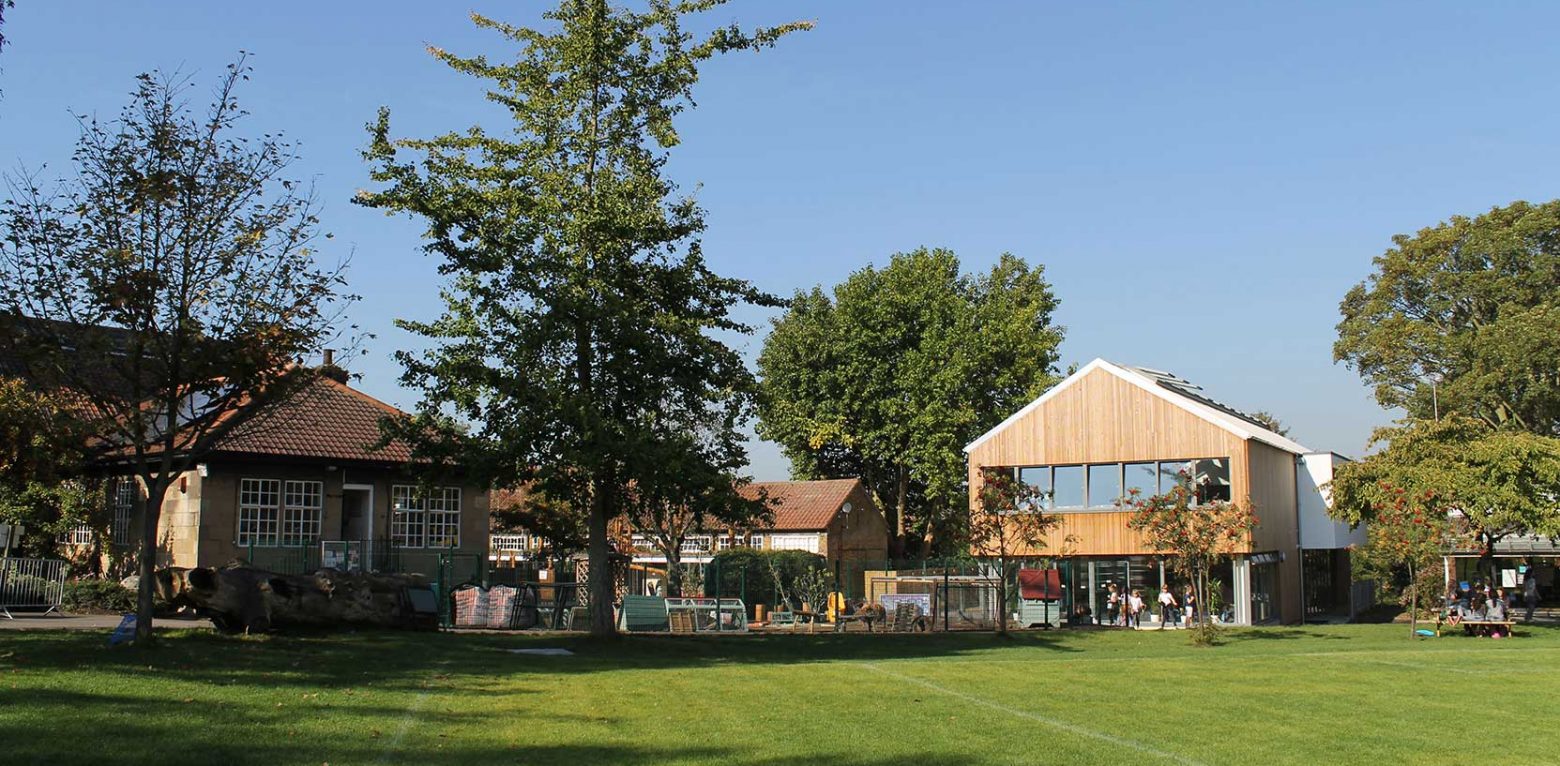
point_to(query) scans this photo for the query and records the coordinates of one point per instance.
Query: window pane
(1142, 477)
(1069, 487)
(1039, 479)
(1211, 478)
(1104, 485)
(1172, 473)
(259, 509)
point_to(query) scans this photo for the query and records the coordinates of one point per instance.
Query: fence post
(947, 594)
(715, 563)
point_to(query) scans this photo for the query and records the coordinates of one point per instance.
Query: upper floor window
(1099, 486)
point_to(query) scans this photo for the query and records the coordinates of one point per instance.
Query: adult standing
(1530, 592)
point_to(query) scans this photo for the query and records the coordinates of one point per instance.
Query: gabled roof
(803, 505)
(325, 419)
(1177, 391)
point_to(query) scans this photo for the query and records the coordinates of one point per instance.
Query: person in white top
(1167, 607)
(1135, 609)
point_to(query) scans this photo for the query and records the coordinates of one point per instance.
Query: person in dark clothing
(1530, 593)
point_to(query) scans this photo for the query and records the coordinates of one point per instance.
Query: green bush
(98, 595)
(746, 573)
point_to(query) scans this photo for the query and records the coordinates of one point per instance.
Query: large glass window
(1173, 472)
(418, 520)
(1038, 479)
(1104, 485)
(1142, 477)
(1067, 492)
(1211, 479)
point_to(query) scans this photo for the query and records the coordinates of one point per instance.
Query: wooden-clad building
(1108, 429)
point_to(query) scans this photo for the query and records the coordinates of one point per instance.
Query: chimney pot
(330, 356)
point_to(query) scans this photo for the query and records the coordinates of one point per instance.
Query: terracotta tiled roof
(326, 419)
(803, 505)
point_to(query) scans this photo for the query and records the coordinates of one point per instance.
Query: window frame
(411, 512)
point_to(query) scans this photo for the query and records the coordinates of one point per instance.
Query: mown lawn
(1346, 694)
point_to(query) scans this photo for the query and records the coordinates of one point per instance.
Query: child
(1189, 603)
(1112, 604)
(1135, 609)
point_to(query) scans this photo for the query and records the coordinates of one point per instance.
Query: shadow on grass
(403, 661)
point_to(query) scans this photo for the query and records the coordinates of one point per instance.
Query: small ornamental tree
(1196, 534)
(1408, 533)
(1007, 522)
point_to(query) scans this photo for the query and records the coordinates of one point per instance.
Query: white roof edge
(1221, 419)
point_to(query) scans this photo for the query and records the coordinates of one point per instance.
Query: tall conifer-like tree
(581, 307)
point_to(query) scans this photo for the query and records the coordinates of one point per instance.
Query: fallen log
(242, 599)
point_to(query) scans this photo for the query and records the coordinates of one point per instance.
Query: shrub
(92, 594)
(746, 571)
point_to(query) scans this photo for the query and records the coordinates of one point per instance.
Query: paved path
(104, 622)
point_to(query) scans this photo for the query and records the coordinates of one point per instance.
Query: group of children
(1125, 608)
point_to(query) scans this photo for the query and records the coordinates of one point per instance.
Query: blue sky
(1202, 184)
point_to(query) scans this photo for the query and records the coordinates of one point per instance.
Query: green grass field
(1347, 694)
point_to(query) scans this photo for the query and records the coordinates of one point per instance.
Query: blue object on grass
(1424, 632)
(125, 631)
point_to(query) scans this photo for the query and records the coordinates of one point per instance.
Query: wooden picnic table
(1487, 627)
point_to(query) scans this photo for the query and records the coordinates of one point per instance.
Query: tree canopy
(168, 286)
(1464, 317)
(890, 374)
(581, 308)
(1502, 482)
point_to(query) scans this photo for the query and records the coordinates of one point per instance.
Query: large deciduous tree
(1464, 317)
(581, 306)
(891, 375)
(167, 287)
(1498, 481)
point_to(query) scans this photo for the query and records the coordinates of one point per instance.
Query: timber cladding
(1102, 418)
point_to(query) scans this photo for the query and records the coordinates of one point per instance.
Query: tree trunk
(600, 557)
(146, 585)
(674, 573)
(901, 488)
(1413, 602)
(1002, 614)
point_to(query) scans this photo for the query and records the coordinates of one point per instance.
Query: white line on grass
(1070, 728)
(388, 752)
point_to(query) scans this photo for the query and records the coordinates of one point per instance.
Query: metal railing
(31, 584)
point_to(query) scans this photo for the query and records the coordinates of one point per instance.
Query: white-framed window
(794, 542)
(509, 543)
(303, 503)
(697, 544)
(444, 518)
(419, 521)
(756, 541)
(78, 536)
(125, 491)
(259, 511)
